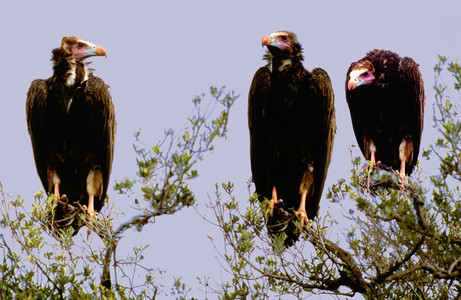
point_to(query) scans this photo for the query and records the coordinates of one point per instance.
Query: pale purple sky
(162, 54)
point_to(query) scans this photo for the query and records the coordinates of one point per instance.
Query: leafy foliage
(398, 242)
(402, 242)
(39, 263)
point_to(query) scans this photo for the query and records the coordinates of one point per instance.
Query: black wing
(35, 114)
(356, 112)
(102, 118)
(413, 87)
(323, 98)
(257, 104)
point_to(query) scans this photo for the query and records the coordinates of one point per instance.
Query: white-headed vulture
(71, 122)
(385, 94)
(291, 118)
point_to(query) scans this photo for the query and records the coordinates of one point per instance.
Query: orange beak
(266, 41)
(352, 84)
(100, 51)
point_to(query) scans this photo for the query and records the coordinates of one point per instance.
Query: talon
(403, 181)
(91, 214)
(403, 177)
(272, 204)
(274, 201)
(302, 216)
(90, 225)
(63, 201)
(374, 163)
(56, 193)
(301, 212)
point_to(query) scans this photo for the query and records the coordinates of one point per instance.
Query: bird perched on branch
(385, 94)
(291, 118)
(71, 122)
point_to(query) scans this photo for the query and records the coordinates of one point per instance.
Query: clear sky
(162, 53)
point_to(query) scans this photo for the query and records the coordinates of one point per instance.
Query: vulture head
(362, 74)
(68, 61)
(280, 41)
(283, 47)
(80, 49)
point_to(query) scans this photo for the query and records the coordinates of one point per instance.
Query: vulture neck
(279, 60)
(68, 70)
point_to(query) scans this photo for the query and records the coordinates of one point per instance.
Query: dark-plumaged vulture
(385, 94)
(291, 118)
(71, 122)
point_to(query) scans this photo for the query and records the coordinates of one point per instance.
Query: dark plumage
(292, 125)
(71, 122)
(385, 94)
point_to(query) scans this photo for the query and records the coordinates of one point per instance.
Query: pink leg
(301, 212)
(91, 213)
(373, 164)
(274, 201)
(403, 177)
(56, 192)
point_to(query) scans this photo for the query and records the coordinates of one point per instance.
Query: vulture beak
(271, 42)
(266, 41)
(95, 51)
(353, 83)
(360, 77)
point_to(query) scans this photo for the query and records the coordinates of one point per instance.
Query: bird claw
(403, 180)
(62, 201)
(373, 164)
(272, 205)
(302, 216)
(91, 215)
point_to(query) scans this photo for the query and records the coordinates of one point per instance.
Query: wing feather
(323, 97)
(35, 112)
(257, 102)
(413, 86)
(103, 122)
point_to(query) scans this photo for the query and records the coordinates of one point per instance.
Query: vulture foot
(302, 216)
(373, 164)
(62, 201)
(64, 215)
(403, 177)
(301, 212)
(91, 214)
(403, 180)
(273, 203)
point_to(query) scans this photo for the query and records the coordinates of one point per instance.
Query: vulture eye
(80, 45)
(284, 37)
(365, 74)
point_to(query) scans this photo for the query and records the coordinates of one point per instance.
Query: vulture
(71, 123)
(385, 94)
(291, 118)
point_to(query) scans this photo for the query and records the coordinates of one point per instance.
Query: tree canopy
(397, 243)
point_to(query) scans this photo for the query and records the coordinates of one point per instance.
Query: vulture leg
(368, 142)
(94, 186)
(371, 167)
(53, 183)
(403, 177)
(274, 201)
(61, 200)
(306, 189)
(56, 192)
(301, 212)
(91, 213)
(405, 155)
